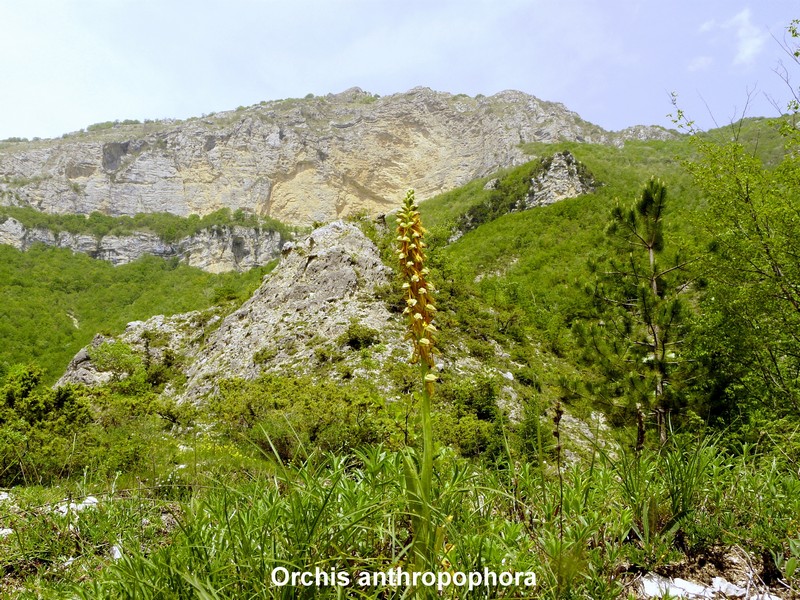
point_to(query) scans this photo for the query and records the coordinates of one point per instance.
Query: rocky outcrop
(322, 285)
(219, 249)
(230, 248)
(82, 370)
(642, 133)
(552, 179)
(561, 177)
(179, 335)
(298, 161)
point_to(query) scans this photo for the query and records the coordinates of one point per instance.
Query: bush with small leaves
(358, 336)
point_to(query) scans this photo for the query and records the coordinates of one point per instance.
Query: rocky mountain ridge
(298, 161)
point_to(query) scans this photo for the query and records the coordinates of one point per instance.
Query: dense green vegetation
(167, 226)
(205, 516)
(525, 280)
(53, 302)
(537, 272)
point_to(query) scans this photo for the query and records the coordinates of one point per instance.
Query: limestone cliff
(299, 161)
(219, 249)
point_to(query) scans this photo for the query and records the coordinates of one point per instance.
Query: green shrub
(295, 415)
(468, 434)
(117, 358)
(480, 348)
(39, 428)
(324, 354)
(476, 396)
(265, 355)
(358, 336)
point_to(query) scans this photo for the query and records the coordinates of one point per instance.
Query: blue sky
(66, 64)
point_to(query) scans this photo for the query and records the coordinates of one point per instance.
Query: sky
(66, 64)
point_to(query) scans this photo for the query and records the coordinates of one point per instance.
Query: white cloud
(749, 38)
(708, 26)
(700, 63)
(745, 39)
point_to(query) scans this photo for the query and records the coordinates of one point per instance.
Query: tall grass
(583, 535)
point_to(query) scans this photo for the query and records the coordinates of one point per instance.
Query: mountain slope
(298, 161)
